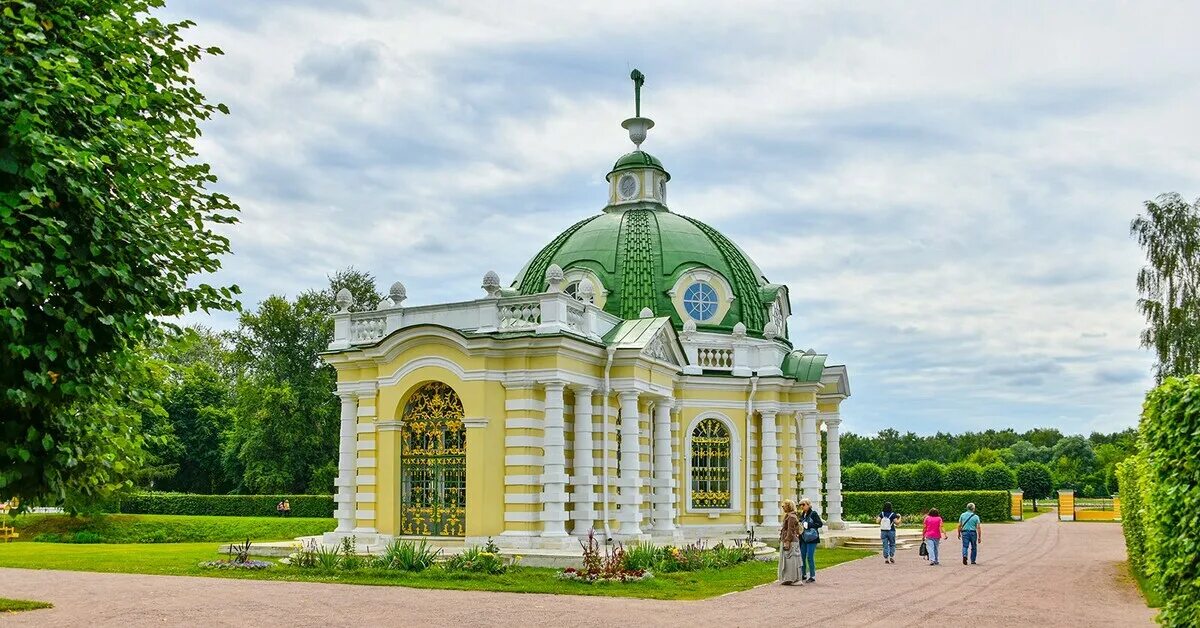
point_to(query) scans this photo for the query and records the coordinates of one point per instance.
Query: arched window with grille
(711, 465)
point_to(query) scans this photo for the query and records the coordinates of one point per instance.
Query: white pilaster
(810, 485)
(583, 498)
(769, 482)
(554, 464)
(347, 452)
(630, 481)
(664, 494)
(833, 466)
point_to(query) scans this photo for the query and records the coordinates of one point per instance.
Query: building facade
(636, 378)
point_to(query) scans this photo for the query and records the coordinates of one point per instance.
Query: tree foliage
(106, 215)
(1035, 479)
(1169, 234)
(962, 476)
(928, 475)
(864, 476)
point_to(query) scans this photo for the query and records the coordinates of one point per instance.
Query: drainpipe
(612, 351)
(749, 420)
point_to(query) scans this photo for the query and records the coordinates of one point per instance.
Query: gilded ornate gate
(433, 470)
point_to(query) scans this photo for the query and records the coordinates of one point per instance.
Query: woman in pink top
(933, 534)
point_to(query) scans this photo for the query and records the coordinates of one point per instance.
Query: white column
(554, 464)
(833, 466)
(664, 495)
(768, 484)
(630, 480)
(810, 486)
(583, 498)
(347, 468)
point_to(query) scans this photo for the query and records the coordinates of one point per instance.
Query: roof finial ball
(554, 277)
(398, 294)
(771, 330)
(344, 300)
(637, 125)
(491, 284)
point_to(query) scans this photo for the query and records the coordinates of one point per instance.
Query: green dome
(639, 255)
(638, 160)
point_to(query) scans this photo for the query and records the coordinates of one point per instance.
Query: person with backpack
(970, 532)
(810, 523)
(888, 520)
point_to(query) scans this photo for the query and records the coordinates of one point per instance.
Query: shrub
(928, 476)
(608, 568)
(478, 560)
(997, 477)
(1171, 493)
(898, 477)
(962, 476)
(84, 536)
(991, 505)
(864, 476)
(225, 505)
(408, 556)
(643, 556)
(1134, 521)
(1035, 480)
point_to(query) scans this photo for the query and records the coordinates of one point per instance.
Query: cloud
(946, 190)
(351, 66)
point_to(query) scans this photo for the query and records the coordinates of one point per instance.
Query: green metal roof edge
(744, 280)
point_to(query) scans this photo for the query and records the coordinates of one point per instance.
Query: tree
(997, 477)
(962, 476)
(898, 477)
(983, 457)
(1169, 234)
(106, 216)
(864, 476)
(278, 345)
(928, 476)
(1024, 451)
(1035, 480)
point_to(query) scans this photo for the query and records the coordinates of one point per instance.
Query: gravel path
(1037, 573)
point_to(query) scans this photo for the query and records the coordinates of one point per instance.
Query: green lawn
(15, 606)
(1028, 513)
(167, 528)
(180, 559)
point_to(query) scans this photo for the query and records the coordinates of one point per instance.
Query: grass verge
(165, 528)
(180, 559)
(8, 605)
(1149, 593)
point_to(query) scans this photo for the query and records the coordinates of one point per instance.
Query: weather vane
(638, 80)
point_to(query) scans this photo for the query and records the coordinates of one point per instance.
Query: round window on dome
(627, 186)
(700, 301)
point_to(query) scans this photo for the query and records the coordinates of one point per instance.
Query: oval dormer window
(700, 301)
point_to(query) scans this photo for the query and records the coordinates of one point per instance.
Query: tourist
(810, 523)
(287, 508)
(888, 519)
(970, 532)
(789, 545)
(933, 534)
(279, 508)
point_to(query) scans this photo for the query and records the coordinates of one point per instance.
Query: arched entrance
(433, 463)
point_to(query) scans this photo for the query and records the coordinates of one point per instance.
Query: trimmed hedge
(1170, 496)
(898, 477)
(991, 505)
(1134, 519)
(962, 476)
(864, 476)
(928, 475)
(997, 477)
(225, 505)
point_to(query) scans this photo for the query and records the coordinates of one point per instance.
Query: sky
(946, 188)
